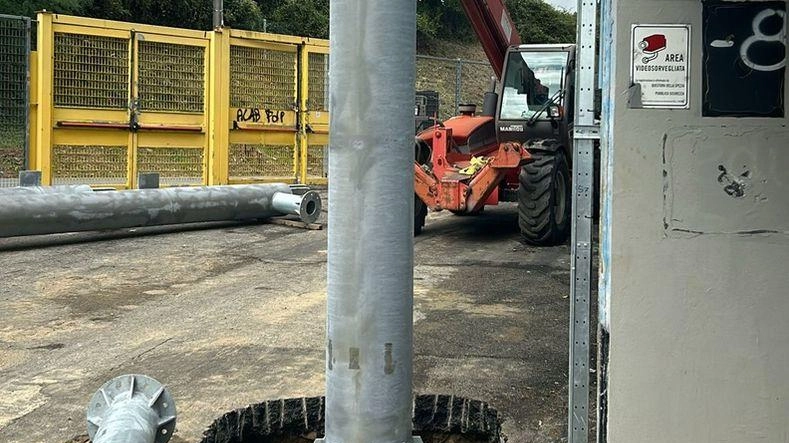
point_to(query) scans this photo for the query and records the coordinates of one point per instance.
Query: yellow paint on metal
(263, 108)
(104, 25)
(33, 116)
(113, 99)
(44, 45)
(265, 37)
(314, 113)
(219, 116)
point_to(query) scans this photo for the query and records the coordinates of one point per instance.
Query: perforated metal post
(369, 347)
(585, 132)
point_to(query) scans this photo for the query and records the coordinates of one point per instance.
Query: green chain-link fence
(456, 81)
(14, 97)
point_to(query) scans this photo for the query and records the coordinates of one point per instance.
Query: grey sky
(564, 4)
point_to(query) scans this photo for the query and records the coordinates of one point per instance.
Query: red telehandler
(518, 148)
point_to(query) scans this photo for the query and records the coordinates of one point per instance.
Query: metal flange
(131, 408)
(307, 206)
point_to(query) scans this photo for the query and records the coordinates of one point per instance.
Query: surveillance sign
(660, 65)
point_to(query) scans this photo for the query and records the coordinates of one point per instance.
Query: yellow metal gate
(115, 101)
(263, 110)
(315, 111)
(112, 100)
(168, 111)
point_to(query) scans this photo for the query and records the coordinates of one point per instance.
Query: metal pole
(458, 84)
(219, 14)
(584, 134)
(131, 409)
(54, 212)
(369, 347)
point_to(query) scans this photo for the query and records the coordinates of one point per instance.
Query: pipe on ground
(131, 409)
(49, 213)
(68, 189)
(371, 204)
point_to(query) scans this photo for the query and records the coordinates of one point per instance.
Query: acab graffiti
(255, 116)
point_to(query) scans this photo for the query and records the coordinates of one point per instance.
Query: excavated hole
(437, 419)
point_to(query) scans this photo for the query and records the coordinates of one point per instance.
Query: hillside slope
(442, 76)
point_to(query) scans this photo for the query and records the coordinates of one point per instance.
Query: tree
(243, 14)
(309, 18)
(30, 7)
(442, 19)
(109, 9)
(539, 22)
(195, 14)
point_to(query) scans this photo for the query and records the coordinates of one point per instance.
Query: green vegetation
(537, 21)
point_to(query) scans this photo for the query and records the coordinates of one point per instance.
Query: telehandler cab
(518, 148)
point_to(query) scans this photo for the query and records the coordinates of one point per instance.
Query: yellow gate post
(43, 89)
(314, 107)
(219, 106)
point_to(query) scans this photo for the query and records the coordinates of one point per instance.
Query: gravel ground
(232, 314)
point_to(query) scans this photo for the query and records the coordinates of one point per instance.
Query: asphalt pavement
(232, 314)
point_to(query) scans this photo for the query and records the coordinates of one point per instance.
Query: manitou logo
(651, 46)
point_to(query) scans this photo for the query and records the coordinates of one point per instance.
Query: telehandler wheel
(420, 214)
(544, 199)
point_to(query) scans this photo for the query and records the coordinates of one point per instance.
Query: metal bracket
(586, 132)
(29, 178)
(148, 180)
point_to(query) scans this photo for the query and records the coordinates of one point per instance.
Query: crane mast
(491, 21)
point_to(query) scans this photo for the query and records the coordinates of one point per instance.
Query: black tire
(420, 214)
(544, 199)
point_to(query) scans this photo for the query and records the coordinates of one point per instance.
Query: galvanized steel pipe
(219, 14)
(67, 189)
(371, 195)
(131, 409)
(306, 206)
(31, 214)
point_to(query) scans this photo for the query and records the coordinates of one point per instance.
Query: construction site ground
(228, 315)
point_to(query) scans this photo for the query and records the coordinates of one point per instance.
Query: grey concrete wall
(695, 282)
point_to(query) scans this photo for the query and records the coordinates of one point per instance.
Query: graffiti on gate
(255, 115)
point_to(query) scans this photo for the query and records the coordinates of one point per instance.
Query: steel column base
(131, 408)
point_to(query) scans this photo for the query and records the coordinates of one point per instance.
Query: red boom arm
(492, 24)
